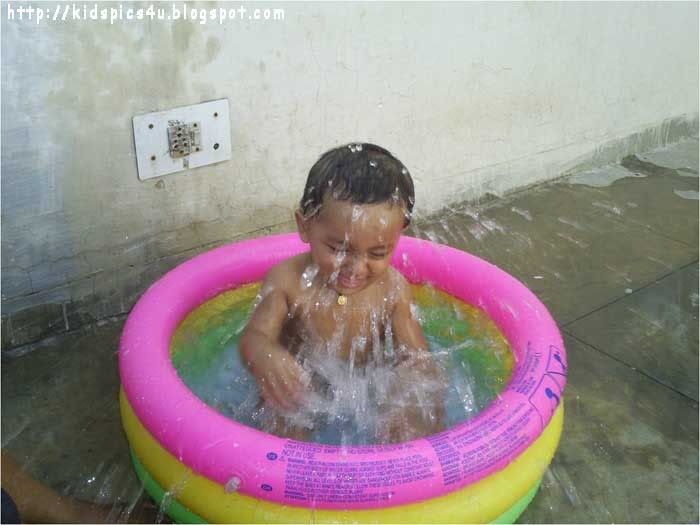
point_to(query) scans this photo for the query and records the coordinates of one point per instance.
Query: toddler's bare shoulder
(286, 274)
(398, 287)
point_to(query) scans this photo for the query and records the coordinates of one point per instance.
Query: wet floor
(612, 252)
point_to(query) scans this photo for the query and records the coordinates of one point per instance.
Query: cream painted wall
(471, 97)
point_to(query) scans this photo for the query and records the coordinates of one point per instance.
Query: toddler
(331, 322)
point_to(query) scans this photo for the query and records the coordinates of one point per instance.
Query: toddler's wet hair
(359, 173)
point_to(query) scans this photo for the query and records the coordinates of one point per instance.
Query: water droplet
(232, 485)
(308, 276)
(357, 212)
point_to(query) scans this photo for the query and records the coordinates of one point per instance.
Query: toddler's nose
(355, 266)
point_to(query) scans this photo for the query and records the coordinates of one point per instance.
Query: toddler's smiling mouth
(350, 283)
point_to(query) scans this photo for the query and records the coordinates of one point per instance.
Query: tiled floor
(616, 261)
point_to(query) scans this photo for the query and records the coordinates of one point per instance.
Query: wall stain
(182, 34)
(213, 49)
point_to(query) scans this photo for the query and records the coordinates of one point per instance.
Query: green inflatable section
(181, 514)
(173, 508)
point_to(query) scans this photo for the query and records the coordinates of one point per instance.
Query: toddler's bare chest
(348, 331)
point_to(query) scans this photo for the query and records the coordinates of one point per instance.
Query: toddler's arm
(408, 333)
(282, 381)
(424, 414)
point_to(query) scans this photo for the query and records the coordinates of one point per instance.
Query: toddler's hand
(282, 381)
(391, 430)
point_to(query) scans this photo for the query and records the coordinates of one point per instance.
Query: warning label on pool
(371, 480)
(457, 456)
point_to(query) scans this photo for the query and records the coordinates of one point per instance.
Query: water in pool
(472, 354)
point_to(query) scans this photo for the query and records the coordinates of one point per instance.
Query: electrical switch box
(182, 138)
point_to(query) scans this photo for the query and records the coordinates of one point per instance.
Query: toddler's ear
(302, 225)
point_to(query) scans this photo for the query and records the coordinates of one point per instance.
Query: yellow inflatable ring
(482, 502)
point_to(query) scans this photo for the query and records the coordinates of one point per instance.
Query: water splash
(603, 177)
(232, 485)
(580, 244)
(172, 495)
(609, 207)
(357, 213)
(571, 223)
(687, 194)
(349, 404)
(522, 213)
(308, 275)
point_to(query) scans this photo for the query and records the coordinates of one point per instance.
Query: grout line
(142, 264)
(632, 222)
(583, 316)
(633, 368)
(28, 346)
(31, 346)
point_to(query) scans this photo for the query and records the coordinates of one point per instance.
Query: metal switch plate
(182, 138)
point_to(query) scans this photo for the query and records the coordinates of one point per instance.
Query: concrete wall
(472, 97)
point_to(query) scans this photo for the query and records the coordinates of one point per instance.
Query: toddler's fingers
(271, 393)
(283, 398)
(296, 381)
(279, 400)
(303, 383)
(304, 378)
(293, 390)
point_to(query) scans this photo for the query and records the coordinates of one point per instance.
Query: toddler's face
(352, 244)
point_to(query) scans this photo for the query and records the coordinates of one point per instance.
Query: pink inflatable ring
(477, 471)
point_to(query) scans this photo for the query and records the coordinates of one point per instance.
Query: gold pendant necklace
(342, 300)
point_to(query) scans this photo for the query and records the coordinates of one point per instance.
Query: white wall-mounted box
(153, 156)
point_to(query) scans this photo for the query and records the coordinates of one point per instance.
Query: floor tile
(654, 330)
(60, 418)
(628, 453)
(664, 203)
(565, 243)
